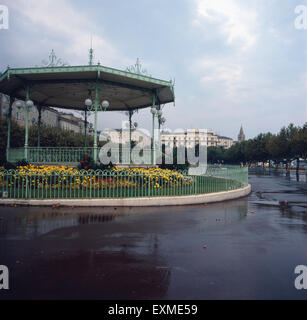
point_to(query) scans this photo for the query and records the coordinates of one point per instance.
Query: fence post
(27, 191)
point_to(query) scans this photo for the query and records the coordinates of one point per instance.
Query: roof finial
(91, 51)
(138, 69)
(54, 61)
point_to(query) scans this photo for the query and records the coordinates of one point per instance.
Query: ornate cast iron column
(27, 122)
(154, 111)
(9, 121)
(85, 129)
(39, 108)
(96, 107)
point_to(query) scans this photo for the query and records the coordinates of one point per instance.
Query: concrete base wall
(136, 202)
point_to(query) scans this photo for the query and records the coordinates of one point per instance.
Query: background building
(193, 137)
(122, 136)
(225, 142)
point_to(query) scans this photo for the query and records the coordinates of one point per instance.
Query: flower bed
(54, 177)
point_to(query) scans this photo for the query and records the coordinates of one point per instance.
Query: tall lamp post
(161, 121)
(154, 113)
(26, 106)
(8, 114)
(132, 126)
(85, 128)
(96, 107)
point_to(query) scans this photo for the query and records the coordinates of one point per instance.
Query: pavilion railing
(50, 155)
(45, 155)
(117, 184)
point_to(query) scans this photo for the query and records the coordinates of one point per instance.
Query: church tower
(241, 136)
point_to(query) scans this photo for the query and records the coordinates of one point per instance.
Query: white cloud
(72, 27)
(227, 77)
(236, 22)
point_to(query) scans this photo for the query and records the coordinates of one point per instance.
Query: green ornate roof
(68, 86)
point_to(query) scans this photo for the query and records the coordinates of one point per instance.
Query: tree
(215, 154)
(298, 141)
(236, 154)
(275, 149)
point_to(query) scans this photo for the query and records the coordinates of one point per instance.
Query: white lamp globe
(88, 102)
(30, 104)
(105, 104)
(19, 104)
(160, 113)
(153, 111)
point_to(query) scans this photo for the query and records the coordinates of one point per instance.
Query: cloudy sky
(234, 61)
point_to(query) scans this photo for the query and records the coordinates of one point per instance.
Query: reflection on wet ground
(242, 249)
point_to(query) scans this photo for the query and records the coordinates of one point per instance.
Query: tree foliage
(288, 145)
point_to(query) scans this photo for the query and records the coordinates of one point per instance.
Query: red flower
(82, 161)
(86, 167)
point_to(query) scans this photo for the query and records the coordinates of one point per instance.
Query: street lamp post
(88, 104)
(39, 108)
(9, 121)
(154, 113)
(85, 128)
(97, 107)
(26, 106)
(161, 121)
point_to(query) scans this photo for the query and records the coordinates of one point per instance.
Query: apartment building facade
(122, 137)
(193, 137)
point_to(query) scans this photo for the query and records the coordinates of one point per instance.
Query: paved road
(218, 251)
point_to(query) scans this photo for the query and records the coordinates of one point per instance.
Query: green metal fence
(50, 155)
(73, 155)
(118, 184)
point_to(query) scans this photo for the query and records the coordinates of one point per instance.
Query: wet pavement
(242, 249)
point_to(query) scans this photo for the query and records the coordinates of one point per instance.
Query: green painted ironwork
(47, 155)
(85, 128)
(130, 134)
(39, 108)
(96, 68)
(9, 124)
(138, 69)
(53, 61)
(96, 107)
(50, 155)
(153, 131)
(118, 184)
(27, 123)
(91, 56)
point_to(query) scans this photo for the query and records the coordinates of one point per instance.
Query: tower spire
(241, 136)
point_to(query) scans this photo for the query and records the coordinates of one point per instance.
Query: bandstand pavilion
(94, 88)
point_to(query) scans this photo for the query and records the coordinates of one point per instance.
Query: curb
(135, 202)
